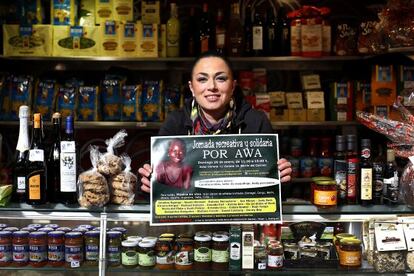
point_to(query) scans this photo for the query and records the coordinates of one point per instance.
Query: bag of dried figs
(93, 187)
(110, 164)
(123, 185)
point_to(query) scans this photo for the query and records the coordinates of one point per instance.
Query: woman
(214, 109)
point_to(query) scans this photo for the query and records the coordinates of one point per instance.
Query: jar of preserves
(260, 258)
(52, 225)
(150, 239)
(92, 248)
(86, 226)
(202, 251)
(350, 253)
(74, 249)
(274, 255)
(129, 257)
(20, 248)
(28, 229)
(56, 248)
(38, 249)
(184, 254)
(324, 194)
(165, 253)
(220, 252)
(45, 229)
(146, 255)
(290, 251)
(113, 248)
(337, 239)
(5, 248)
(80, 229)
(64, 229)
(11, 229)
(122, 230)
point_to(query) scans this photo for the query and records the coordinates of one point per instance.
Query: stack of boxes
(315, 100)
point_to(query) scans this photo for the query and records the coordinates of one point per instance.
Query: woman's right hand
(145, 172)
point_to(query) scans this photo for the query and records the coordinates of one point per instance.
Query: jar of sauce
(184, 254)
(220, 252)
(5, 248)
(113, 247)
(146, 255)
(38, 249)
(129, 257)
(165, 254)
(74, 249)
(92, 248)
(3, 225)
(202, 251)
(324, 194)
(56, 248)
(274, 255)
(20, 248)
(350, 253)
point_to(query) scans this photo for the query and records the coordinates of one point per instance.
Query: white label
(341, 116)
(366, 184)
(389, 236)
(342, 100)
(67, 146)
(235, 250)
(36, 155)
(311, 36)
(275, 261)
(295, 40)
(220, 39)
(409, 235)
(258, 38)
(21, 183)
(261, 266)
(68, 172)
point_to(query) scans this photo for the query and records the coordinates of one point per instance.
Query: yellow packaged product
(129, 40)
(150, 12)
(63, 12)
(103, 11)
(110, 39)
(162, 41)
(27, 40)
(75, 41)
(87, 104)
(147, 40)
(87, 13)
(123, 10)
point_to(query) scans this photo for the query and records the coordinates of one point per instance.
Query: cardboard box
(311, 82)
(383, 85)
(279, 115)
(277, 99)
(342, 103)
(294, 100)
(263, 103)
(315, 100)
(129, 40)
(162, 41)
(88, 13)
(235, 248)
(150, 12)
(103, 11)
(247, 247)
(75, 41)
(315, 115)
(123, 10)
(297, 115)
(147, 40)
(260, 80)
(362, 96)
(110, 33)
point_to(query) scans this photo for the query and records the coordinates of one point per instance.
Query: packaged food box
(129, 40)
(63, 12)
(103, 11)
(32, 12)
(150, 12)
(110, 39)
(75, 41)
(32, 40)
(123, 10)
(162, 41)
(87, 13)
(147, 40)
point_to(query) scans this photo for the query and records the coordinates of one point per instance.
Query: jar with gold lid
(324, 194)
(350, 253)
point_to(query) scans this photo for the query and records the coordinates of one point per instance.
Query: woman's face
(212, 86)
(176, 152)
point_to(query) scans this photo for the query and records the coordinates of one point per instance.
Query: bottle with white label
(257, 34)
(391, 189)
(22, 148)
(68, 165)
(36, 166)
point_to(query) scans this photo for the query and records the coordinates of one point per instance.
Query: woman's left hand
(285, 169)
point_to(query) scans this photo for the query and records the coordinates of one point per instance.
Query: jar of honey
(324, 194)
(337, 239)
(350, 253)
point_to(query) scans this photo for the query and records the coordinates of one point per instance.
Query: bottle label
(68, 172)
(21, 253)
(37, 253)
(366, 184)
(129, 258)
(350, 258)
(220, 40)
(340, 169)
(164, 257)
(36, 155)
(56, 253)
(146, 259)
(366, 153)
(391, 188)
(5, 253)
(73, 255)
(220, 256)
(21, 183)
(183, 258)
(275, 261)
(67, 146)
(257, 38)
(114, 255)
(352, 178)
(235, 251)
(91, 252)
(34, 187)
(325, 197)
(202, 255)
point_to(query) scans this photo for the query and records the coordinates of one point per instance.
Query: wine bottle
(248, 32)
(68, 164)
(257, 35)
(270, 35)
(205, 30)
(53, 161)
(391, 180)
(173, 33)
(352, 170)
(340, 168)
(192, 34)
(378, 169)
(365, 174)
(235, 32)
(22, 148)
(36, 180)
(283, 34)
(220, 32)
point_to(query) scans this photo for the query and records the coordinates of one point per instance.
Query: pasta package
(32, 12)
(45, 92)
(129, 40)
(75, 41)
(152, 101)
(123, 10)
(31, 40)
(147, 40)
(173, 99)
(88, 104)
(130, 103)
(111, 100)
(20, 89)
(110, 39)
(66, 101)
(63, 12)
(87, 13)
(103, 11)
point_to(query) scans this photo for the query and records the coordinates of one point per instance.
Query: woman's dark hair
(212, 54)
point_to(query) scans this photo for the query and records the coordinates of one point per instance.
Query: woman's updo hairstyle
(212, 54)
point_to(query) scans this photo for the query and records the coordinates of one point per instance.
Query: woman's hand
(285, 169)
(145, 172)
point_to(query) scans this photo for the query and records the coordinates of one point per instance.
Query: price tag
(67, 146)
(36, 155)
(74, 264)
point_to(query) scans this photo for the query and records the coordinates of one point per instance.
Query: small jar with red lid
(5, 248)
(20, 248)
(38, 249)
(56, 248)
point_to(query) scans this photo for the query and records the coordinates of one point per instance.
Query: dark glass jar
(165, 253)
(20, 248)
(274, 255)
(146, 255)
(92, 248)
(38, 249)
(129, 256)
(113, 248)
(220, 252)
(202, 251)
(74, 249)
(184, 254)
(324, 194)
(56, 248)
(5, 248)
(350, 254)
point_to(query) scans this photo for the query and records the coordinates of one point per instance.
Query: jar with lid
(150, 239)
(129, 258)
(38, 249)
(11, 229)
(184, 254)
(164, 253)
(337, 239)
(64, 229)
(92, 248)
(113, 248)
(20, 248)
(146, 255)
(350, 253)
(56, 248)
(167, 235)
(324, 194)
(274, 255)
(86, 226)
(28, 229)
(73, 249)
(220, 252)
(260, 258)
(45, 229)
(290, 251)
(35, 225)
(202, 251)
(122, 230)
(134, 238)
(5, 248)
(52, 225)
(3, 225)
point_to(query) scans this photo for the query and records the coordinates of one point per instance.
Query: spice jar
(146, 255)
(350, 253)
(20, 248)
(290, 251)
(73, 249)
(5, 248)
(202, 251)
(92, 248)
(260, 258)
(184, 255)
(38, 249)
(114, 248)
(129, 256)
(220, 252)
(56, 248)
(165, 253)
(274, 255)
(324, 194)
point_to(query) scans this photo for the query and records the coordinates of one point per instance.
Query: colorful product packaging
(66, 101)
(123, 10)
(45, 93)
(63, 12)
(129, 40)
(87, 13)
(32, 12)
(75, 41)
(150, 12)
(27, 40)
(20, 89)
(151, 101)
(147, 40)
(110, 39)
(111, 100)
(88, 108)
(103, 11)
(130, 103)
(172, 99)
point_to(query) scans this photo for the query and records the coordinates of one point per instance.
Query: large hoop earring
(231, 103)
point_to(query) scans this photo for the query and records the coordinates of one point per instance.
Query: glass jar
(134, 238)
(92, 248)
(64, 229)
(184, 254)
(11, 229)
(220, 252)
(38, 249)
(350, 253)
(113, 248)
(274, 255)
(28, 229)
(337, 239)
(35, 225)
(165, 253)
(167, 235)
(122, 230)
(146, 255)
(45, 229)
(324, 194)
(73, 249)
(20, 248)
(150, 239)
(202, 252)
(56, 248)
(52, 225)
(290, 251)
(5, 248)
(260, 258)
(129, 256)
(3, 225)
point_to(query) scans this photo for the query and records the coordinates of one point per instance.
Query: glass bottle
(192, 30)
(220, 32)
(365, 173)
(391, 180)
(22, 148)
(205, 35)
(36, 167)
(378, 168)
(53, 162)
(340, 169)
(248, 32)
(257, 35)
(283, 34)
(270, 36)
(235, 32)
(352, 170)
(173, 33)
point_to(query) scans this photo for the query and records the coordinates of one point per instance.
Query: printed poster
(215, 179)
